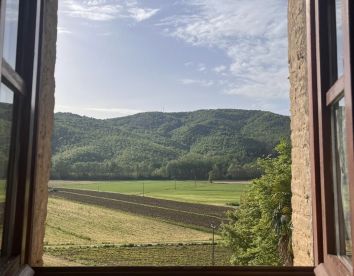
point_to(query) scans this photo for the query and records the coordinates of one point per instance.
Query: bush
(259, 231)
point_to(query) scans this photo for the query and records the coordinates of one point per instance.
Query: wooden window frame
(325, 88)
(22, 81)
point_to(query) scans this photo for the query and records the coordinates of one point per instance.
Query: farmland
(72, 223)
(159, 255)
(193, 215)
(186, 191)
(86, 234)
(137, 222)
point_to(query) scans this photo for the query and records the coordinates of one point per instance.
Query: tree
(259, 231)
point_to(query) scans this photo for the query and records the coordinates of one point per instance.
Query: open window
(330, 40)
(19, 36)
(330, 44)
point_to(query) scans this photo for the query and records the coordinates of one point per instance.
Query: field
(126, 223)
(72, 223)
(182, 213)
(160, 255)
(185, 191)
(85, 234)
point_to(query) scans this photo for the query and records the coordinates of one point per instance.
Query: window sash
(12, 79)
(325, 89)
(23, 82)
(335, 92)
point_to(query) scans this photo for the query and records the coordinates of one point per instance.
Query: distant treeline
(176, 169)
(205, 144)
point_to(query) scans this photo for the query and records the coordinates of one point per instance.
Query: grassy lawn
(161, 255)
(187, 191)
(71, 223)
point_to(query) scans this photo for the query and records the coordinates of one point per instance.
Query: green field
(83, 234)
(186, 191)
(72, 223)
(160, 255)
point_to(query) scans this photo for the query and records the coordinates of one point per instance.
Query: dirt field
(195, 215)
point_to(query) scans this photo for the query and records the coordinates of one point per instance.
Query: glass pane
(10, 35)
(340, 49)
(6, 106)
(341, 185)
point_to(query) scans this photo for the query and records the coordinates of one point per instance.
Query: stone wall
(45, 125)
(300, 136)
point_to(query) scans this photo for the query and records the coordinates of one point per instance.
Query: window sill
(254, 271)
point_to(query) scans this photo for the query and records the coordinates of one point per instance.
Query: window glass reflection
(341, 185)
(10, 35)
(339, 27)
(6, 106)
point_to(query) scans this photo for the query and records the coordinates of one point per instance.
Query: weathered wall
(45, 125)
(301, 181)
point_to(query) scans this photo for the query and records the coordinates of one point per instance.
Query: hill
(185, 145)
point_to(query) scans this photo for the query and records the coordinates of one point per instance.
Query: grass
(160, 255)
(71, 223)
(81, 234)
(186, 191)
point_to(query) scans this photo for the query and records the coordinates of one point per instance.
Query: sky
(120, 57)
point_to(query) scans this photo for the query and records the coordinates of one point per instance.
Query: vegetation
(71, 223)
(155, 255)
(83, 234)
(2, 190)
(185, 145)
(5, 135)
(185, 191)
(259, 232)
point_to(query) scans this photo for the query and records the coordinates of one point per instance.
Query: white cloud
(106, 10)
(252, 34)
(204, 83)
(220, 68)
(201, 67)
(140, 14)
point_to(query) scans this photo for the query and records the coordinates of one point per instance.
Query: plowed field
(195, 215)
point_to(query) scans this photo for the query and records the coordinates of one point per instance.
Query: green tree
(259, 231)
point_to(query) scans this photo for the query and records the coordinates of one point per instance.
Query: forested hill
(185, 145)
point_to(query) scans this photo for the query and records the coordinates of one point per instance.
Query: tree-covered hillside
(185, 145)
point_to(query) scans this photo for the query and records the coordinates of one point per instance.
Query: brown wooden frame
(22, 81)
(324, 89)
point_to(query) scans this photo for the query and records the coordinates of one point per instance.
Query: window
(19, 33)
(332, 96)
(332, 141)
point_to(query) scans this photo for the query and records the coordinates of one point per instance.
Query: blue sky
(120, 57)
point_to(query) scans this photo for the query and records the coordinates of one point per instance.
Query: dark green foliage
(185, 145)
(5, 137)
(259, 231)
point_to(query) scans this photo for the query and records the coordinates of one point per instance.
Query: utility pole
(98, 186)
(175, 184)
(213, 227)
(143, 188)
(195, 181)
